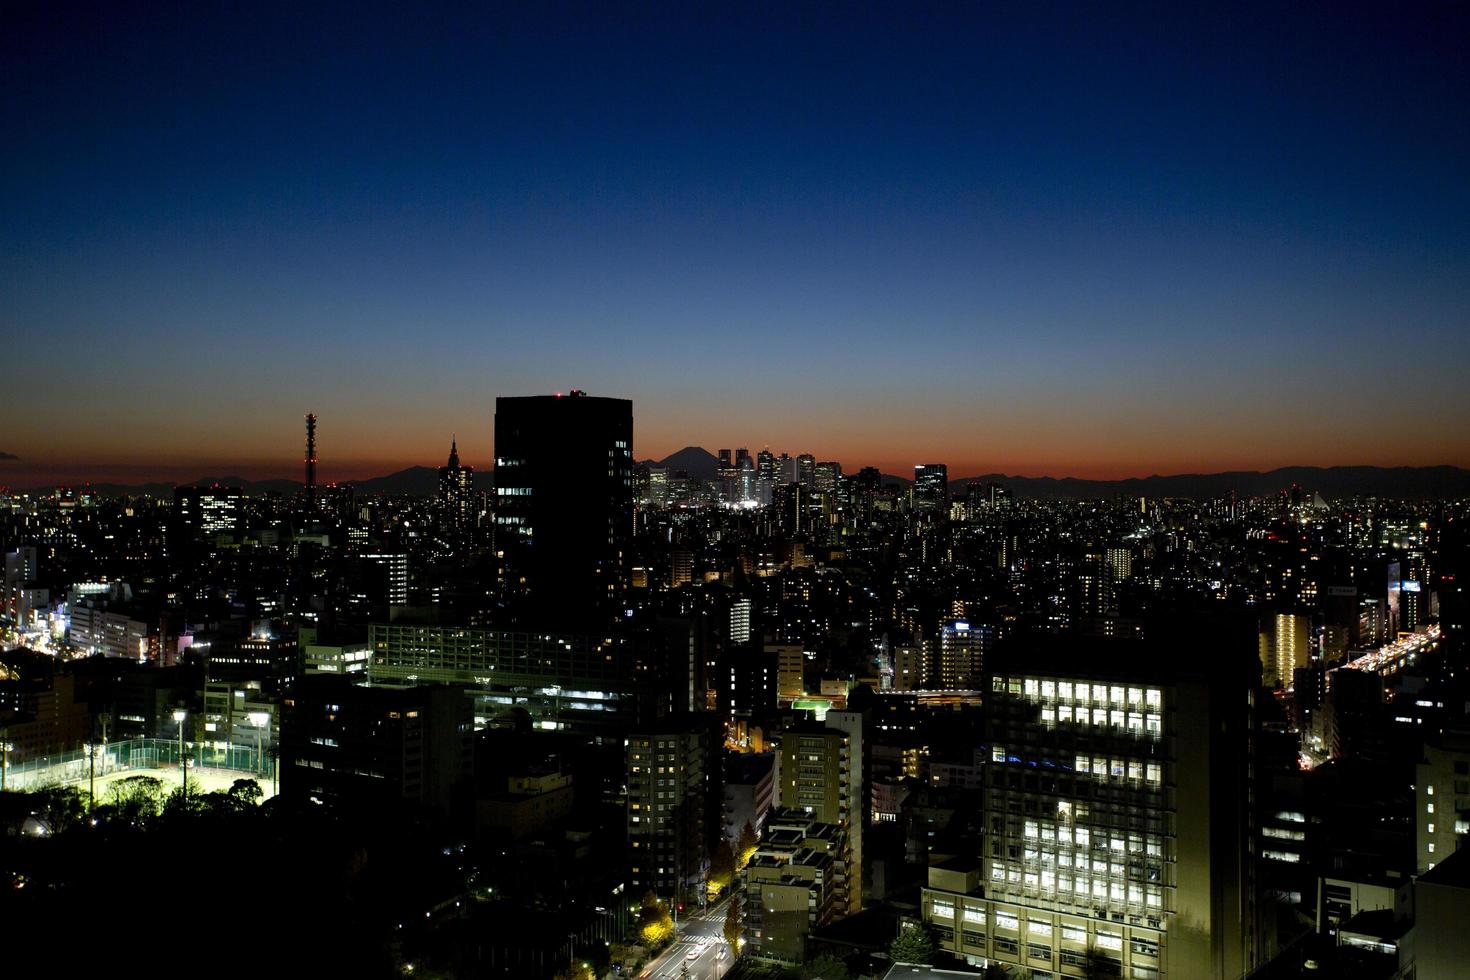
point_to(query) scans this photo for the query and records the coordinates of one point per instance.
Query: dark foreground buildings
(564, 506)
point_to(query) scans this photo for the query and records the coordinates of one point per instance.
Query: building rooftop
(1452, 872)
(906, 971)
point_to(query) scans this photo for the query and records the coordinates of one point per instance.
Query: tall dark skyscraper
(456, 491)
(564, 505)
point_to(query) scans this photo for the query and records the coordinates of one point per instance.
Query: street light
(259, 719)
(91, 775)
(179, 717)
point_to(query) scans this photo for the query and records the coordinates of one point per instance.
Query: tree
(721, 868)
(577, 971)
(655, 925)
(912, 945)
(63, 807)
(734, 924)
(137, 797)
(746, 846)
(825, 967)
(181, 804)
(247, 791)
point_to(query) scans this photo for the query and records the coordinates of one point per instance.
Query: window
(1108, 940)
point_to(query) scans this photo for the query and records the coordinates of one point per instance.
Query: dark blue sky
(1097, 240)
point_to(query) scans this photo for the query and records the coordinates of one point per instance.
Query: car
(694, 953)
(703, 940)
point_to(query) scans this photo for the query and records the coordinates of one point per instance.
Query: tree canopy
(913, 944)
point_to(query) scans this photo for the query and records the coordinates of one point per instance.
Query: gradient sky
(1072, 239)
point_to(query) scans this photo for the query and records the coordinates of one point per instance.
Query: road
(708, 964)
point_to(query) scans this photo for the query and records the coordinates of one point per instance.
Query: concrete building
(1442, 799)
(564, 506)
(749, 793)
(1118, 815)
(790, 670)
(1442, 909)
(673, 796)
(792, 885)
(819, 774)
(344, 744)
(962, 647)
(1285, 647)
(529, 803)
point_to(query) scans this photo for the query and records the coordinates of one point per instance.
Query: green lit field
(200, 780)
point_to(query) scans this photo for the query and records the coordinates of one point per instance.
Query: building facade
(1118, 815)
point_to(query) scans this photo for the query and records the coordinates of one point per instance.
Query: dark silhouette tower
(310, 459)
(564, 506)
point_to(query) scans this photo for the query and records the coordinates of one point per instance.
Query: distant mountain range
(1331, 482)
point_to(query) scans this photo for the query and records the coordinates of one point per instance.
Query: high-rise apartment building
(564, 505)
(1285, 646)
(673, 800)
(962, 648)
(818, 775)
(1118, 816)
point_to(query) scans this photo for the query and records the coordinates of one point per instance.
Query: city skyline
(1101, 244)
(20, 473)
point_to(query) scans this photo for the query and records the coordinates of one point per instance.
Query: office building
(1118, 816)
(564, 506)
(351, 746)
(931, 489)
(385, 578)
(557, 681)
(201, 514)
(456, 493)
